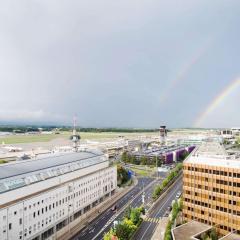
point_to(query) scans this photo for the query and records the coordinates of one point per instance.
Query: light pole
(69, 205)
(143, 196)
(156, 167)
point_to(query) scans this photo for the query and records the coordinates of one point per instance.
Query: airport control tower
(163, 134)
(75, 137)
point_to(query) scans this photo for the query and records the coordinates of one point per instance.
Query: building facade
(39, 198)
(211, 188)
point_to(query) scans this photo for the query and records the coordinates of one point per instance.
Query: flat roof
(188, 230)
(41, 163)
(213, 153)
(231, 236)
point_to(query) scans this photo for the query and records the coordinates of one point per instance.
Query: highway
(148, 226)
(103, 222)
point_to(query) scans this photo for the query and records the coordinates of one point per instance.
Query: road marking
(153, 220)
(124, 207)
(174, 192)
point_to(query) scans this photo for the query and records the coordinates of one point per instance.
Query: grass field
(12, 139)
(143, 172)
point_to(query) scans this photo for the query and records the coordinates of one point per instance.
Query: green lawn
(30, 138)
(143, 172)
(12, 139)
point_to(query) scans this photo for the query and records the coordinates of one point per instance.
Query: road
(148, 226)
(103, 222)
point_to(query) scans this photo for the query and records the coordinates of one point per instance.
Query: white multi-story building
(40, 197)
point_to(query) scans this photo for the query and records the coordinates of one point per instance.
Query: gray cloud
(109, 62)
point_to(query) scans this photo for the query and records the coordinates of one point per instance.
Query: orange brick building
(211, 188)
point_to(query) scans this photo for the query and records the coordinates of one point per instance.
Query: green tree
(124, 157)
(122, 175)
(135, 215)
(159, 161)
(108, 235)
(183, 156)
(128, 212)
(213, 234)
(123, 231)
(143, 160)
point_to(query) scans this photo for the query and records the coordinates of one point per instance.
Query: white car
(178, 194)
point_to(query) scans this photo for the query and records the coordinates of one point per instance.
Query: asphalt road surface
(102, 223)
(148, 226)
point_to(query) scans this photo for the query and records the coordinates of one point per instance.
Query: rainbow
(183, 73)
(216, 101)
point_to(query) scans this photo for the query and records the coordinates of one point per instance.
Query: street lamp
(70, 205)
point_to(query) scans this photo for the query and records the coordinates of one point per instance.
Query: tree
(213, 234)
(159, 161)
(130, 224)
(108, 235)
(123, 231)
(122, 175)
(135, 215)
(143, 160)
(183, 155)
(127, 212)
(124, 157)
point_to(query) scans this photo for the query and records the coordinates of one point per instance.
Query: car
(178, 194)
(114, 208)
(166, 214)
(169, 209)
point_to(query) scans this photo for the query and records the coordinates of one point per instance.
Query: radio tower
(75, 137)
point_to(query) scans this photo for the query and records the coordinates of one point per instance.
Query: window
(9, 226)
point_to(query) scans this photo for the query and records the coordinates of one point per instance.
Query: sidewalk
(160, 230)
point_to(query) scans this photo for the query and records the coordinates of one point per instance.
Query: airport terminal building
(40, 197)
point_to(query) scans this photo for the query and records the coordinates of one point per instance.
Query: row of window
(214, 189)
(223, 227)
(216, 172)
(80, 201)
(208, 205)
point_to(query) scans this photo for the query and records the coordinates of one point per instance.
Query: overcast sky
(120, 63)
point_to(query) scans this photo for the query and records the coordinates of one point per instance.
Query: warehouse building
(211, 188)
(40, 197)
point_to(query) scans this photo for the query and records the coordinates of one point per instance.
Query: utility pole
(75, 137)
(143, 196)
(157, 167)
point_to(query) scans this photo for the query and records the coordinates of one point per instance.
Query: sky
(121, 63)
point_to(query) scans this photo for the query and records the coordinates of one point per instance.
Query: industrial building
(40, 198)
(211, 188)
(168, 154)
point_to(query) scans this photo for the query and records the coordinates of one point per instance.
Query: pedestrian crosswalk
(153, 220)
(148, 204)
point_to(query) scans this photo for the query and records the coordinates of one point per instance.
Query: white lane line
(159, 211)
(123, 209)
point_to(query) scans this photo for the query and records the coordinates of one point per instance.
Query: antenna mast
(75, 137)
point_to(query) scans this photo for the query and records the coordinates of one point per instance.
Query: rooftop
(188, 230)
(211, 148)
(21, 173)
(231, 236)
(213, 153)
